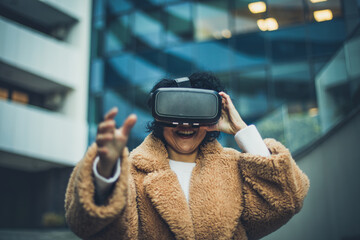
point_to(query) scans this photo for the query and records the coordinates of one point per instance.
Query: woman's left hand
(230, 121)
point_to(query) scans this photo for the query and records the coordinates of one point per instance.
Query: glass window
(213, 56)
(351, 12)
(291, 82)
(97, 37)
(212, 20)
(148, 68)
(148, 29)
(286, 12)
(99, 8)
(20, 97)
(4, 93)
(180, 59)
(119, 71)
(326, 37)
(248, 50)
(321, 11)
(250, 93)
(288, 44)
(117, 6)
(97, 76)
(245, 15)
(156, 2)
(118, 34)
(179, 23)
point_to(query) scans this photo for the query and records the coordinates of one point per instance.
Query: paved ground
(29, 234)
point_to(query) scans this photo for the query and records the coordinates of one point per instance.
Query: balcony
(39, 139)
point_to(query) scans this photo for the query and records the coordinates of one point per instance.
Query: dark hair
(204, 80)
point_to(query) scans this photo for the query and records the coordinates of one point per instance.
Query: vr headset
(186, 106)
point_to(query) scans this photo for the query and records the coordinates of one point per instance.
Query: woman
(180, 183)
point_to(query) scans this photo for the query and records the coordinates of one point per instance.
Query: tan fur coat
(233, 195)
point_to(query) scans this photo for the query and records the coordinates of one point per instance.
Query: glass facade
(269, 55)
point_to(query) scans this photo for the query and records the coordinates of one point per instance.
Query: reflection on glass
(181, 59)
(286, 12)
(117, 35)
(317, 1)
(97, 75)
(323, 41)
(289, 44)
(269, 24)
(257, 7)
(244, 19)
(211, 18)
(97, 37)
(214, 56)
(148, 28)
(148, 68)
(249, 88)
(334, 6)
(179, 23)
(292, 81)
(156, 2)
(98, 8)
(248, 50)
(116, 6)
(118, 68)
(323, 15)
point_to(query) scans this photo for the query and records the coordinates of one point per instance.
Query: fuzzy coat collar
(207, 209)
(152, 155)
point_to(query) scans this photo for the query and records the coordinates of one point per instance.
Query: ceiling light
(323, 15)
(269, 24)
(313, 112)
(316, 1)
(226, 33)
(257, 7)
(272, 24)
(217, 35)
(262, 24)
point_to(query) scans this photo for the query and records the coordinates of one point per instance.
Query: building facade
(44, 56)
(272, 56)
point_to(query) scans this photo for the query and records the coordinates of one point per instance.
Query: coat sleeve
(274, 190)
(91, 221)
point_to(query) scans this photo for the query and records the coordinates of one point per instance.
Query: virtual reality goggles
(186, 106)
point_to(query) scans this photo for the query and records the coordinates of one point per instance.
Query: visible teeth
(186, 132)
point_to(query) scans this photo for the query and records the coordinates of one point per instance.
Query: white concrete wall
(44, 135)
(59, 137)
(39, 54)
(331, 210)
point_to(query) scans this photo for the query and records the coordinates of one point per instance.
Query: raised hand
(230, 121)
(112, 141)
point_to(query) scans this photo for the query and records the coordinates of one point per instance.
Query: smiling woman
(180, 183)
(183, 142)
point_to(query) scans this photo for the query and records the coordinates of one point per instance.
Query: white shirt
(183, 171)
(248, 139)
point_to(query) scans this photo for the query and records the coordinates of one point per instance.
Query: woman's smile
(184, 139)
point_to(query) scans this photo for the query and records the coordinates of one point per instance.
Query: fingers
(107, 126)
(128, 124)
(111, 113)
(102, 139)
(211, 128)
(226, 99)
(102, 151)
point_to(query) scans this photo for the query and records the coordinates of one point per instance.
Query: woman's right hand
(112, 141)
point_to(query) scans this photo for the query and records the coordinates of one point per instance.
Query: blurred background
(292, 67)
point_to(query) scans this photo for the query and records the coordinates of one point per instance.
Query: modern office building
(273, 56)
(290, 66)
(44, 59)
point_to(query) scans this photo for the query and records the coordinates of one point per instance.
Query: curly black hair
(203, 80)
